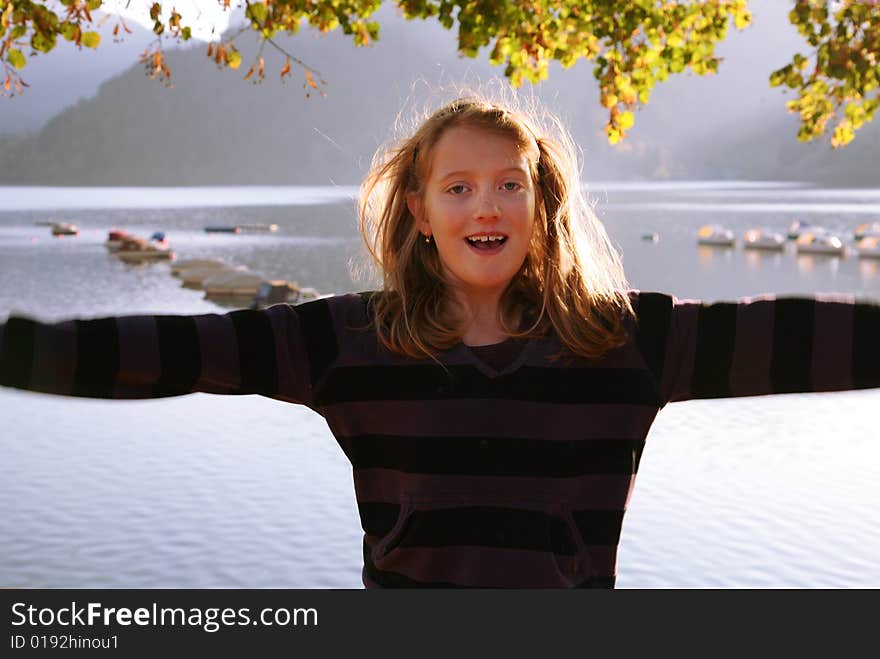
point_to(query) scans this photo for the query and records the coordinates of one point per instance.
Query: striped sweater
(467, 475)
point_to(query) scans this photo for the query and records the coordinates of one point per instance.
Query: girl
(494, 397)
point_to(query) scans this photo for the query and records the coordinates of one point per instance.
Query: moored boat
(64, 229)
(766, 239)
(114, 239)
(138, 250)
(797, 228)
(868, 247)
(866, 230)
(819, 241)
(716, 236)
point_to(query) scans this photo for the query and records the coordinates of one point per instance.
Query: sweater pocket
(484, 541)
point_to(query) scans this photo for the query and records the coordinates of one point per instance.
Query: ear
(414, 204)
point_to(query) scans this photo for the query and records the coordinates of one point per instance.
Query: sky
(207, 18)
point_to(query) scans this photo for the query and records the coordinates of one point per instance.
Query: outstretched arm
(760, 345)
(151, 356)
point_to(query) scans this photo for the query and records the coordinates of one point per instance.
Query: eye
(457, 189)
(511, 186)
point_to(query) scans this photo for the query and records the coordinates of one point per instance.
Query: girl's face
(479, 186)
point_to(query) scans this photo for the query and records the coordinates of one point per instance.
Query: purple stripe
(54, 358)
(753, 349)
(139, 361)
(678, 368)
(219, 352)
(832, 343)
(593, 492)
(491, 418)
(486, 567)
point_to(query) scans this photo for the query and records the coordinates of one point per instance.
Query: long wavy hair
(571, 280)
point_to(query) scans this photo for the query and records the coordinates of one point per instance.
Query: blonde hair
(572, 278)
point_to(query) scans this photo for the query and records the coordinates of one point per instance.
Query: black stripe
(430, 382)
(378, 518)
(599, 527)
(258, 365)
(716, 336)
(485, 526)
(598, 582)
(866, 346)
(654, 315)
(388, 579)
(484, 456)
(320, 337)
(180, 356)
(791, 361)
(17, 352)
(97, 358)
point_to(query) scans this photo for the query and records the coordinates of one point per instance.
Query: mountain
(212, 128)
(68, 74)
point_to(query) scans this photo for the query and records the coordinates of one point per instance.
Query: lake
(211, 491)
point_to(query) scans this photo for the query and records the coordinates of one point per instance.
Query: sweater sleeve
(150, 356)
(759, 345)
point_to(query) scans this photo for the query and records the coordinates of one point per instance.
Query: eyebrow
(464, 172)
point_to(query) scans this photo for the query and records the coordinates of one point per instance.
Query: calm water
(210, 491)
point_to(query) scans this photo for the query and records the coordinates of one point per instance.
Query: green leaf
(186, 33)
(43, 42)
(16, 58)
(257, 12)
(68, 30)
(95, 4)
(91, 39)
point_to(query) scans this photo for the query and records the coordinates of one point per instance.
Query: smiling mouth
(486, 246)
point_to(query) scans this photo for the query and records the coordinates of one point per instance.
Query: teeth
(485, 238)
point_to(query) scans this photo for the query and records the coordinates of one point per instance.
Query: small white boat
(715, 235)
(764, 239)
(818, 241)
(64, 229)
(866, 230)
(869, 247)
(797, 228)
(651, 237)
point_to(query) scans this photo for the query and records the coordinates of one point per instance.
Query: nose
(487, 206)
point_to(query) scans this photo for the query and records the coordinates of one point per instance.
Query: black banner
(399, 623)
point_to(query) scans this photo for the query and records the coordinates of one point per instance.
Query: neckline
(493, 345)
(467, 354)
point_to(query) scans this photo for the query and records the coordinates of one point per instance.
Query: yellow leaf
(310, 80)
(91, 39)
(285, 70)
